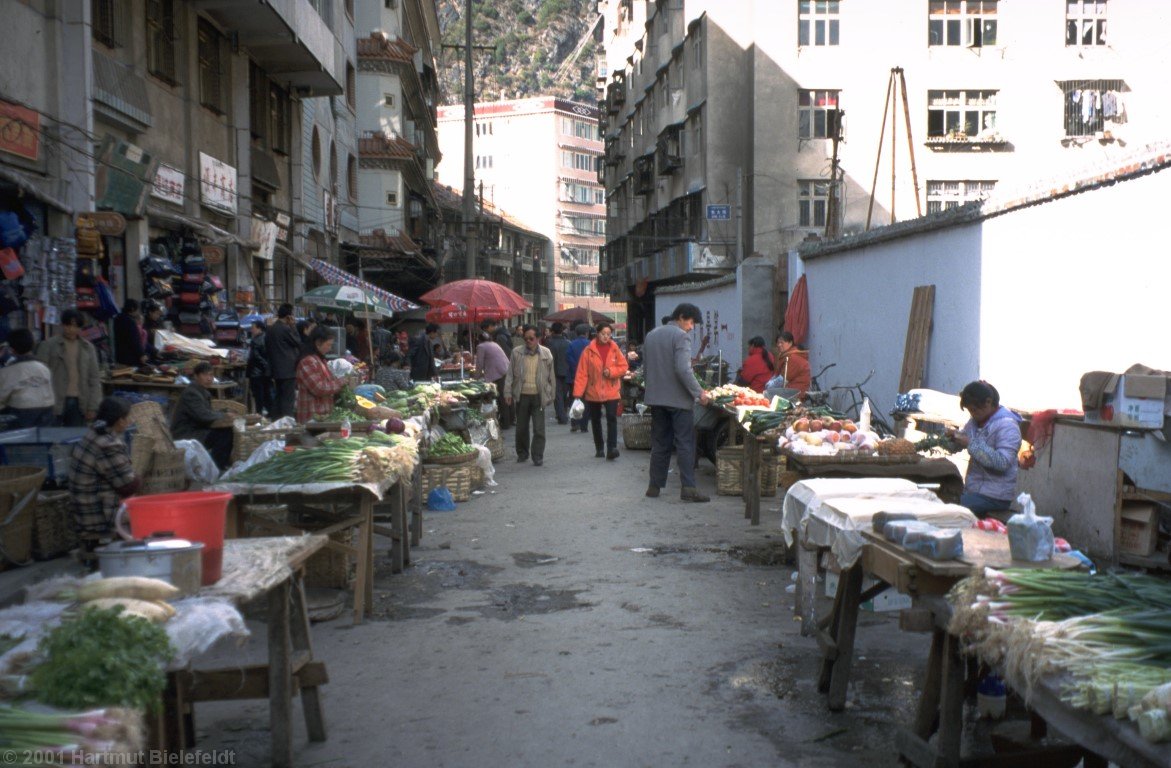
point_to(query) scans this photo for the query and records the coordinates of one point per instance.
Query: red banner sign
(20, 131)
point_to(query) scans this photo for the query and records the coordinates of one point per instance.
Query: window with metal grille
(352, 176)
(812, 202)
(108, 20)
(351, 87)
(961, 22)
(161, 33)
(945, 195)
(817, 22)
(1091, 105)
(211, 66)
(813, 114)
(1085, 22)
(961, 114)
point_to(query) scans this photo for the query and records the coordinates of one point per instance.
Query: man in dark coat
(259, 372)
(194, 417)
(129, 346)
(559, 346)
(283, 349)
(422, 353)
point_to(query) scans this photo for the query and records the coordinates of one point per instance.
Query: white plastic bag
(1030, 537)
(484, 462)
(197, 462)
(340, 367)
(263, 453)
(577, 410)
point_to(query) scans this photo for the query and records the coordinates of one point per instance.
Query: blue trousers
(981, 505)
(672, 428)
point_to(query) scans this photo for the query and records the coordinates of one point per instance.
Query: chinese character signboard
(719, 212)
(329, 204)
(123, 173)
(282, 227)
(264, 233)
(20, 131)
(217, 184)
(169, 184)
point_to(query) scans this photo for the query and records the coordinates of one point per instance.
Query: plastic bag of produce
(197, 462)
(937, 543)
(1030, 537)
(484, 462)
(577, 410)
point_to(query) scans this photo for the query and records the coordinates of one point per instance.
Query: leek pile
(353, 460)
(1109, 634)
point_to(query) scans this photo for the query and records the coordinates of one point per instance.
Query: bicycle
(858, 396)
(816, 395)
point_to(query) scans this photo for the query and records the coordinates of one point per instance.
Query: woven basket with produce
(451, 449)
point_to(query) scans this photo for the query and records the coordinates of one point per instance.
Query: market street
(531, 632)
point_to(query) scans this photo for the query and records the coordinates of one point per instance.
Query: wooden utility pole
(896, 82)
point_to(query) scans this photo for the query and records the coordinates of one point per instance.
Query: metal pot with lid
(162, 556)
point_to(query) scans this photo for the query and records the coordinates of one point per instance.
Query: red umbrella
(575, 315)
(457, 313)
(475, 295)
(797, 312)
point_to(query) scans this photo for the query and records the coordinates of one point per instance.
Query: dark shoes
(652, 491)
(692, 494)
(538, 462)
(611, 455)
(572, 428)
(598, 454)
(522, 459)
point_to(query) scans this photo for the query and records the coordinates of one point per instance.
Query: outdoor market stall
(350, 476)
(190, 623)
(1086, 651)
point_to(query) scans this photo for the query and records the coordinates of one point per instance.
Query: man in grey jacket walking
(672, 391)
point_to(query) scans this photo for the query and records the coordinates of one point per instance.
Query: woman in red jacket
(317, 387)
(793, 363)
(599, 383)
(757, 368)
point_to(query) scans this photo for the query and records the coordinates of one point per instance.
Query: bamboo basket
(456, 477)
(167, 472)
(149, 421)
(18, 504)
(327, 568)
(636, 431)
(728, 479)
(247, 440)
(53, 532)
(463, 458)
(496, 444)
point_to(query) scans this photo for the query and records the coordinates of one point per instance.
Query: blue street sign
(719, 212)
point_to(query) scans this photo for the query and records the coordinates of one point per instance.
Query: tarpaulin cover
(337, 276)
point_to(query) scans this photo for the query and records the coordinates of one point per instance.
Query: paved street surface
(564, 619)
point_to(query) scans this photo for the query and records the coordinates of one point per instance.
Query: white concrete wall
(722, 320)
(374, 212)
(373, 113)
(1029, 300)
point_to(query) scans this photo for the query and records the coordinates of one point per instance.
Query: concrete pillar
(137, 245)
(237, 271)
(73, 167)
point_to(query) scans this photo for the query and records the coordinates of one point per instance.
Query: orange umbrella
(797, 312)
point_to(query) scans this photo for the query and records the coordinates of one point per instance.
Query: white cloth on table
(806, 496)
(845, 518)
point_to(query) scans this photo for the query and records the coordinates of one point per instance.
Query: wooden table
(361, 501)
(938, 470)
(750, 461)
(219, 389)
(291, 667)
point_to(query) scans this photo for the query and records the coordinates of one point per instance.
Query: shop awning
(210, 231)
(32, 189)
(337, 276)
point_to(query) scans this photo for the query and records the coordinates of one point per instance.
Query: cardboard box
(1140, 528)
(1132, 400)
(889, 600)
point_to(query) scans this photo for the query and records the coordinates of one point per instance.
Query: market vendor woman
(992, 437)
(316, 385)
(100, 472)
(194, 417)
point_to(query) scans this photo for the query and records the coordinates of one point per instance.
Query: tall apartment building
(184, 117)
(397, 91)
(736, 103)
(329, 152)
(537, 158)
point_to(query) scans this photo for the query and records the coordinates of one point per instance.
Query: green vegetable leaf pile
(450, 444)
(101, 659)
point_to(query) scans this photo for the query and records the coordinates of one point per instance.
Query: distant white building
(734, 103)
(538, 159)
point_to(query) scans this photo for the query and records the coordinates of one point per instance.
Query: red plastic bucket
(196, 515)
